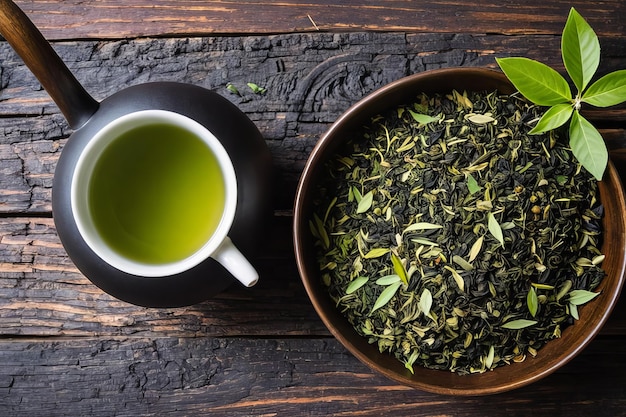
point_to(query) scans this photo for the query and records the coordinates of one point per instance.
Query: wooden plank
(243, 377)
(42, 294)
(310, 79)
(139, 18)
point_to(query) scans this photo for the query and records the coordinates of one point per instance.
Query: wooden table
(68, 349)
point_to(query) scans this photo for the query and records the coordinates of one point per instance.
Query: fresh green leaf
(356, 284)
(518, 324)
(386, 295)
(536, 81)
(365, 203)
(423, 119)
(607, 91)
(580, 49)
(573, 311)
(376, 253)
(580, 297)
(388, 280)
(494, 228)
(399, 269)
(426, 302)
(588, 146)
(472, 184)
(532, 301)
(554, 117)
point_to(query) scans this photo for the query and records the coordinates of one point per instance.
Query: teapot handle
(69, 95)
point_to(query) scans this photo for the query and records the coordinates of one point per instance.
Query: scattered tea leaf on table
(256, 89)
(232, 89)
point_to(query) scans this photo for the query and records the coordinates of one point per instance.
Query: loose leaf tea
(451, 239)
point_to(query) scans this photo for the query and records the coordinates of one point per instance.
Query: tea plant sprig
(580, 50)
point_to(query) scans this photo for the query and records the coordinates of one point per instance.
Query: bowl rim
(300, 228)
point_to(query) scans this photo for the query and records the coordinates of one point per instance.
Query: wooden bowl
(555, 353)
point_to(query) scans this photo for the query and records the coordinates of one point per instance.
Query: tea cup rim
(82, 174)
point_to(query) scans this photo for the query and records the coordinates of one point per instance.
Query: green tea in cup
(154, 193)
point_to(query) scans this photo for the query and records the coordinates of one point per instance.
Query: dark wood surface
(67, 348)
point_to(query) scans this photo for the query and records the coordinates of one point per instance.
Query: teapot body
(252, 163)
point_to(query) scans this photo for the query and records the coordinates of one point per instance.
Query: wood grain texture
(66, 348)
(139, 18)
(43, 295)
(268, 377)
(310, 80)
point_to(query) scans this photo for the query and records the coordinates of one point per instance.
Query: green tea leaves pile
(545, 87)
(451, 239)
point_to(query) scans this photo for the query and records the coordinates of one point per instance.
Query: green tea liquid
(156, 194)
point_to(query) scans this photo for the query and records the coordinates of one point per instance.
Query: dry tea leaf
(385, 296)
(426, 302)
(376, 253)
(356, 284)
(457, 278)
(494, 228)
(476, 247)
(518, 324)
(365, 202)
(532, 301)
(399, 269)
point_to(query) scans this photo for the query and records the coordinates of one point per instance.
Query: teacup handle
(230, 258)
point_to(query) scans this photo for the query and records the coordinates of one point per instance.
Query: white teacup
(154, 194)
